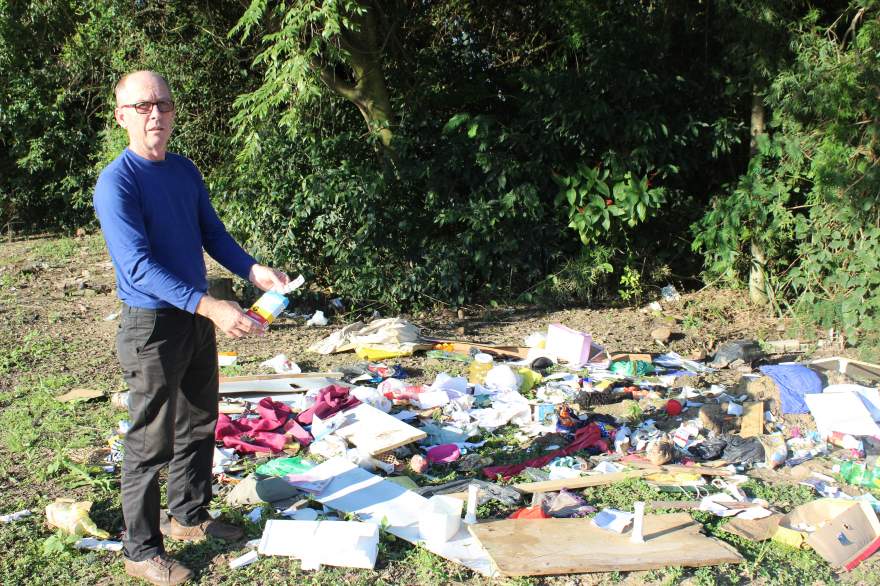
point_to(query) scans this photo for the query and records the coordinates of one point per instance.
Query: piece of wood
(463, 347)
(277, 387)
(579, 482)
(540, 547)
(752, 420)
(676, 468)
(260, 377)
(377, 432)
(753, 529)
(377, 500)
(80, 395)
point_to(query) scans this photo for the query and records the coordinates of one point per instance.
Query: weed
(56, 250)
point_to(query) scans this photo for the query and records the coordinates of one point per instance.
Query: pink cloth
(331, 400)
(589, 436)
(263, 434)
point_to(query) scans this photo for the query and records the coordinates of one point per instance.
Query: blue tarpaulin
(793, 381)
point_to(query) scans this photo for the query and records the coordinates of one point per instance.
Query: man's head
(140, 98)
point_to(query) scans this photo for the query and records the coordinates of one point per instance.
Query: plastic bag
(73, 517)
(284, 466)
(743, 450)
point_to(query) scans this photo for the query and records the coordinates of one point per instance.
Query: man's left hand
(267, 278)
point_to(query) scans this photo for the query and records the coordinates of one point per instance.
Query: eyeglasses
(147, 107)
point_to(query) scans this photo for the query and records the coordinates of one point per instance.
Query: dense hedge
(565, 151)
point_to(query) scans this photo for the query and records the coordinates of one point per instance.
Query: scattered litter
(281, 364)
(73, 517)
(613, 520)
(318, 319)
(244, 560)
(98, 544)
(16, 516)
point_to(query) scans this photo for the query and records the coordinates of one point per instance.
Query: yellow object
(73, 517)
(479, 368)
(530, 379)
(379, 352)
(790, 537)
(669, 478)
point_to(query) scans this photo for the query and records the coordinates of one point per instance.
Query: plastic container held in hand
(272, 303)
(73, 517)
(480, 367)
(859, 474)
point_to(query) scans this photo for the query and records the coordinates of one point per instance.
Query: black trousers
(169, 360)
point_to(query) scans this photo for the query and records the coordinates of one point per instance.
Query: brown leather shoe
(200, 532)
(160, 570)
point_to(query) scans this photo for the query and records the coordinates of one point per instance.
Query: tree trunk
(758, 271)
(368, 92)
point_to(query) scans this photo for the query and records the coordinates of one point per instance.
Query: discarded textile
(331, 400)
(588, 437)
(568, 504)
(793, 381)
(389, 332)
(267, 433)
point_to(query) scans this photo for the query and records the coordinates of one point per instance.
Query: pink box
(568, 345)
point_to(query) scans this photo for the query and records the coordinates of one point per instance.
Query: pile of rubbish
(528, 428)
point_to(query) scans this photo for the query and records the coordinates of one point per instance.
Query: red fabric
(263, 434)
(331, 400)
(535, 512)
(589, 436)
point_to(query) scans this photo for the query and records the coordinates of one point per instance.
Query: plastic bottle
(272, 303)
(859, 474)
(481, 365)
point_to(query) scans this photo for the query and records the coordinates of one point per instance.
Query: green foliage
(810, 193)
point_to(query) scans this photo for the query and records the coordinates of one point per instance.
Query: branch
(340, 86)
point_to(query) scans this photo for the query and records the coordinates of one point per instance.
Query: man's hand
(229, 317)
(267, 278)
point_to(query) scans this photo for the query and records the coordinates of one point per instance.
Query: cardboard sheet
(282, 387)
(843, 412)
(332, 543)
(375, 431)
(540, 547)
(374, 499)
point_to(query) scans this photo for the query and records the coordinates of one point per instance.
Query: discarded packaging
(73, 517)
(349, 544)
(441, 519)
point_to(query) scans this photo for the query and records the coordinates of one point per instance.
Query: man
(157, 220)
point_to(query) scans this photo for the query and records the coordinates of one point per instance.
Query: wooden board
(752, 420)
(375, 431)
(579, 482)
(269, 384)
(462, 347)
(540, 547)
(676, 468)
(259, 377)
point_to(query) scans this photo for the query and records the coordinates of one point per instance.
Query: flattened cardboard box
(847, 532)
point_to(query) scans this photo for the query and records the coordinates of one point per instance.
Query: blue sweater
(156, 217)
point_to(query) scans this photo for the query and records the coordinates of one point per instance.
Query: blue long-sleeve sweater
(156, 217)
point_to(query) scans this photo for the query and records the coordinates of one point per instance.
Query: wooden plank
(579, 482)
(259, 377)
(377, 432)
(677, 468)
(495, 349)
(752, 420)
(277, 385)
(540, 547)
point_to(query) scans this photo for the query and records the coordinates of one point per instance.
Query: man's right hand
(229, 317)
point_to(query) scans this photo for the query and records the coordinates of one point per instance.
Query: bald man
(157, 220)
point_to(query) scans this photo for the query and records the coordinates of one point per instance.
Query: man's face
(148, 133)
